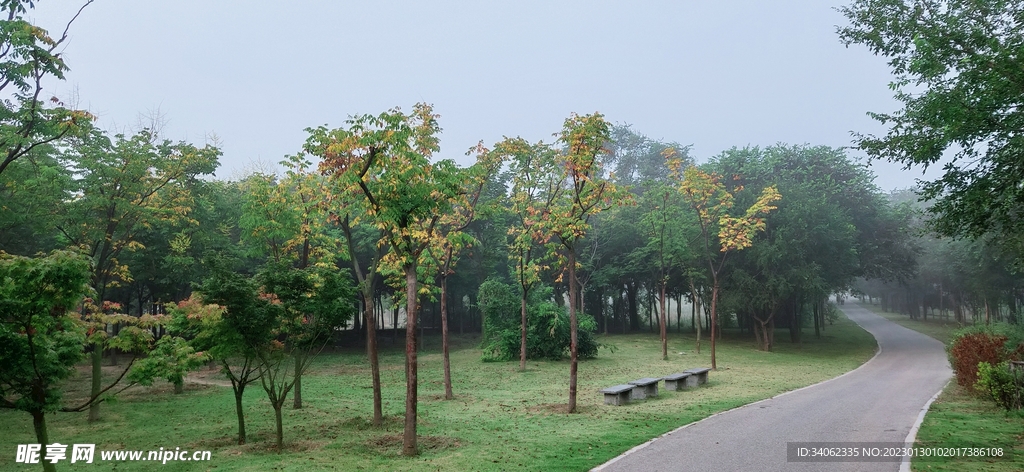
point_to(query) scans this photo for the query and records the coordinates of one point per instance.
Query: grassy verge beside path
(501, 419)
(960, 416)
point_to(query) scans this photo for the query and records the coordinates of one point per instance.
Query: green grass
(501, 419)
(962, 417)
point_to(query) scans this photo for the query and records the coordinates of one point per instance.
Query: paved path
(878, 402)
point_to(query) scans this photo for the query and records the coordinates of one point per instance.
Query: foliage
(31, 192)
(40, 338)
(1004, 385)
(248, 320)
(288, 219)
(548, 335)
(315, 302)
(958, 77)
(381, 165)
(123, 186)
(171, 359)
(975, 345)
(30, 59)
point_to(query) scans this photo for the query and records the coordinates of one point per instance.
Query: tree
(958, 76)
(385, 161)
(450, 238)
(832, 227)
(721, 233)
(287, 222)
(536, 182)
(310, 304)
(587, 192)
(27, 59)
(233, 329)
(122, 186)
(664, 227)
(41, 338)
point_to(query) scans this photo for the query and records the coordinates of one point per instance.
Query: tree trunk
(97, 379)
(679, 313)
(39, 424)
(697, 302)
(239, 391)
(522, 334)
(572, 330)
(817, 324)
(664, 328)
(297, 401)
(371, 352)
(179, 386)
(634, 317)
(280, 426)
(714, 322)
(409, 447)
(448, 395)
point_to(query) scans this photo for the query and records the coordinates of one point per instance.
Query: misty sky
(256, 73)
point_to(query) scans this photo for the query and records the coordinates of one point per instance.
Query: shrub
(975, 344)
(1004, 385)
(547, 331)
(968, 350)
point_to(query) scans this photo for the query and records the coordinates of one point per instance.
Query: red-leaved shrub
(970, 349)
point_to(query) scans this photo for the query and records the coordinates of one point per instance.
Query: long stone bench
(700, 373)
(645, 387)
(617, 395)
(680, 381)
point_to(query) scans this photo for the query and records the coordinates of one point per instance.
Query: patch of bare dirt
(392, 443)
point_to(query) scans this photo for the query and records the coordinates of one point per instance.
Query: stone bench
(680, 381)
(700, 373)
(645, 387)
(617, 395)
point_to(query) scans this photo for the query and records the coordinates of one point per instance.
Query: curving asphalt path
(878, 402)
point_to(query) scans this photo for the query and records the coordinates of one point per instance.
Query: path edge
(878, 351)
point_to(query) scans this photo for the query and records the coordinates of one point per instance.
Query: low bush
(1003, 384)
(992, 344)
(547, 332)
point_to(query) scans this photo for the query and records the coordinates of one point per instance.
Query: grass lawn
(961, 417)
(501, 419)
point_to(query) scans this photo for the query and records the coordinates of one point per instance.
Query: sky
(255, 74)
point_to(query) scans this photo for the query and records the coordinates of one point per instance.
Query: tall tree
(122, 186)
(288, 223)
(721, 233)
(958, 76)
(535, 184)
(587, 192)
(385, 160)
(451, 238)
(665, 228)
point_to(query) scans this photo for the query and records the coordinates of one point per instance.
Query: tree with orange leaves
(721, 233)
(382, 163)
(585, 191)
